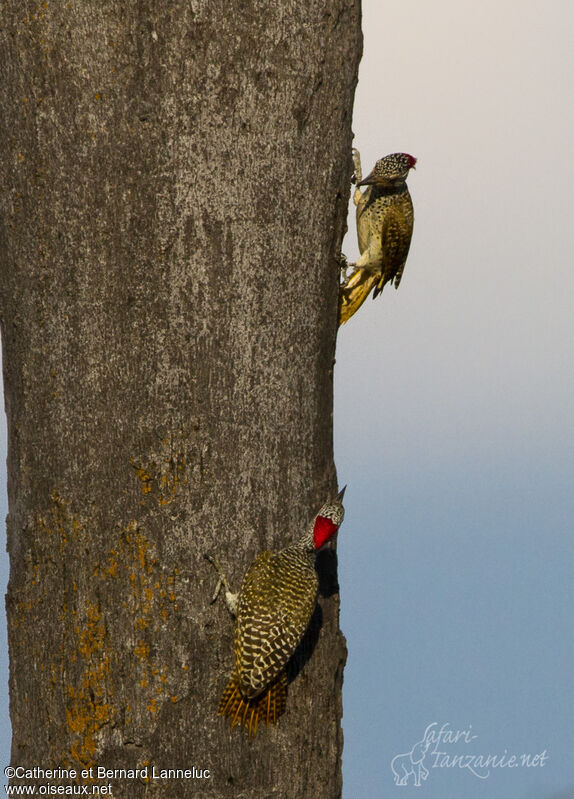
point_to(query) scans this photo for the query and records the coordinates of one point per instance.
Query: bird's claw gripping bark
(230, 597)
(222, 581)
(343, 267)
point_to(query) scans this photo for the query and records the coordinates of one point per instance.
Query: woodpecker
(272, 612)
(384, 229)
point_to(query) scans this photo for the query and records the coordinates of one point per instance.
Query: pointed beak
(341, 494)
(368, 181)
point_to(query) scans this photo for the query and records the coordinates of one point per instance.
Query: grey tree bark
(175, 181)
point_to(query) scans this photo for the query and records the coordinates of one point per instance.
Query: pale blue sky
(454, 412)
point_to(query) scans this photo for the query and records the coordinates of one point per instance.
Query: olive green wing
(396, 240)
(275, 607)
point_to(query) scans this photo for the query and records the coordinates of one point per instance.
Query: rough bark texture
(175, 185)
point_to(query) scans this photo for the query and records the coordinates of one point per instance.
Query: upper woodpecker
(384, 229)
(272, 612)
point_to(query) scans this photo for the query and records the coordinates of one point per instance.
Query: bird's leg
(230, 597)
(358, 175)
(365, 261)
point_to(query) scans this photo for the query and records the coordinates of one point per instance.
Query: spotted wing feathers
(276, 602)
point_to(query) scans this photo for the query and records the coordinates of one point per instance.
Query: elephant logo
(411, 763)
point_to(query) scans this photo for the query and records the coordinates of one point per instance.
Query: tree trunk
(175, 185)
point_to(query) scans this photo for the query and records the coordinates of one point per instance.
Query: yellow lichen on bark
(89, 702)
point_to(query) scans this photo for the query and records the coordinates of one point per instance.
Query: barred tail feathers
(354, 293)
(268, 706)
